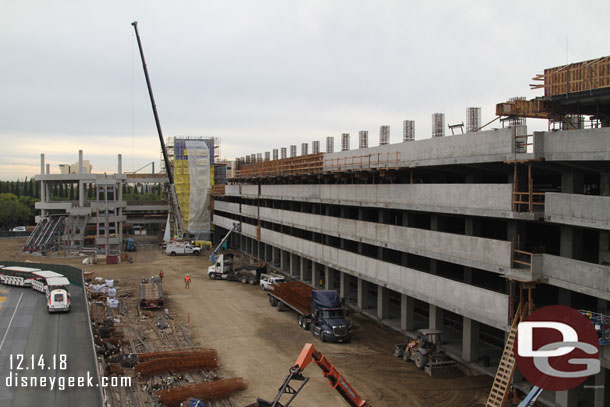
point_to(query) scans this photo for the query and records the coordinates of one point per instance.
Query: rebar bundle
(145, 357)
(176, 364)
(296, 293)
(206, 391)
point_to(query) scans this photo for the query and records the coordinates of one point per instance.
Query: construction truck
(176, 247)
(130, 245)
(335, 380)
(225, 268)
(426, 351)
(319, 311)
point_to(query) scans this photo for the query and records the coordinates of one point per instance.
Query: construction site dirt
(259, 344)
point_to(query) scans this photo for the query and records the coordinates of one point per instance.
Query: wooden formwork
(574, 78)
(303, 165)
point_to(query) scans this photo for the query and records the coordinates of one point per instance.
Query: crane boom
(173, 198)
(335, 380)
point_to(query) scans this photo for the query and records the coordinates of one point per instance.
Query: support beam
(302, 268)
(329, 278)
(407, 313)
(436, 317)
(315, 274)
(470, 340)
(383, 302)
(362, 302)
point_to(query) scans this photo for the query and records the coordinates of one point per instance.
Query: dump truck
(225, 268)
(319, 311)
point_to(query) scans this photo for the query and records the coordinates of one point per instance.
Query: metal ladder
(506, 368)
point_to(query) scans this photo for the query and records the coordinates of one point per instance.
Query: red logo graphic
(557, 348)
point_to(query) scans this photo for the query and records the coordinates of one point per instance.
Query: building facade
(449, 232)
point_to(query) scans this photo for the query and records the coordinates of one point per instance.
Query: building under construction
(92, 225)
(465, 233)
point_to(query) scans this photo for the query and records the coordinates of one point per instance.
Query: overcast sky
(265, 74)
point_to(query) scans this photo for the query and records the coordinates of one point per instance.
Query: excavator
(335, 380)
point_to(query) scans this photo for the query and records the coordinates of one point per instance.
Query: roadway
(26, 328)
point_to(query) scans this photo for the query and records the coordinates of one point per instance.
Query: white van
(58, 297)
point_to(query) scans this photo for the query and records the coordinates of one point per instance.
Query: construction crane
(335, 380)
(236, 228)
(173, 198)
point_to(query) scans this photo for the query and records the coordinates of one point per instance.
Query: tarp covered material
(199, 200)
(325, 299)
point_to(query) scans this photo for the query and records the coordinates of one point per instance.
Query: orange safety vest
(187, 279)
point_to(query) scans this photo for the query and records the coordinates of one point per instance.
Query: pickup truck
(174, 248)
(319, 311)
(268, 279)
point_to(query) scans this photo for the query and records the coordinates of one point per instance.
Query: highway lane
(35, 332)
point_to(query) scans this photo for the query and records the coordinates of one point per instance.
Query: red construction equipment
(335, 380)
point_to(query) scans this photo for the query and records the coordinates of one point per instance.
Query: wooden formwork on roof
(574, 78)
(303, 165)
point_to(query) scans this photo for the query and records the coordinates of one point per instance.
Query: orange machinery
(335, 380)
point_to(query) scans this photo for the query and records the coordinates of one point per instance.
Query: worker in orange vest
(187, 281)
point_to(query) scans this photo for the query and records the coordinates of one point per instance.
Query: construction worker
(187, 281)
(161, 275)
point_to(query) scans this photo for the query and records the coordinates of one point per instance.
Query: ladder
(506, 368)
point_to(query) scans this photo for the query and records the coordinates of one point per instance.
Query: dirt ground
(256, 342)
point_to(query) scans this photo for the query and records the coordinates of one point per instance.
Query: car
(18, 229)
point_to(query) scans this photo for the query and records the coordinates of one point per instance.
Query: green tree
(14, 212)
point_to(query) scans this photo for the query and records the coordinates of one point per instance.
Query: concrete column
(470, 340)
(281, 260)
(302, 269)
(48, 169)
(564, 297)
(293, 264)
(604, 184)
(315, 274)
(343, 285)
(602, 389)
(362, 302)
(570, 243)
(436, 317)
(120, 164)
(572, 182)
(329, 278)
(43, 195)
(80, 161)
(567, 398)
(407, 313)
(383, 302)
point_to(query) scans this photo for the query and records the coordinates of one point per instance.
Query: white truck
(224, 269)
(174, 248)
(268, 279)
